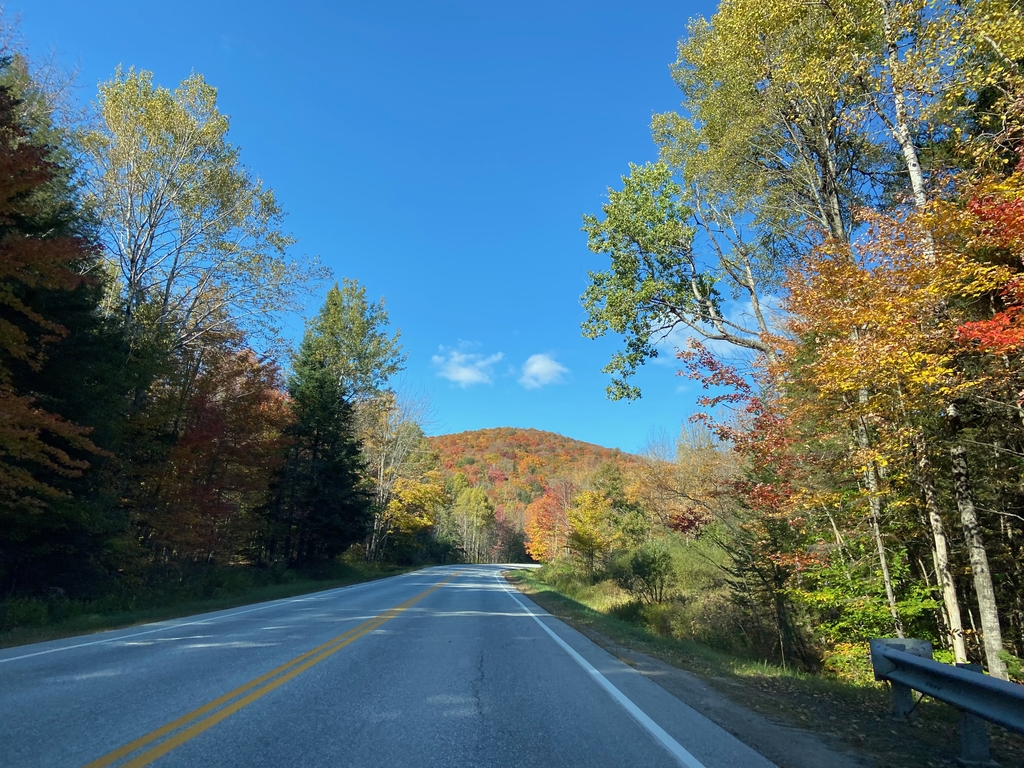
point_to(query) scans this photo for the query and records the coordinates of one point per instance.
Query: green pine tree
(321, 505)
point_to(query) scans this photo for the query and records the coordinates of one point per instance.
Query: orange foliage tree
(547, 526)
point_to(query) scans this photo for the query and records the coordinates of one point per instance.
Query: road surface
(446, 666)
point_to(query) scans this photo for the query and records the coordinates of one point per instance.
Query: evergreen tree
(349, 336)
(54, 390)
(321, 505)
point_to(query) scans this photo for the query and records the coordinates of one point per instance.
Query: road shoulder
(783, 744)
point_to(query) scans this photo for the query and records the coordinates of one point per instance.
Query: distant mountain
(514, 465)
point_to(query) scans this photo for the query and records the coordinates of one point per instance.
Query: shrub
(630, 611)
(849, 662)
(23, 612)
(645, 574)
(1014, 666)
(561, 575)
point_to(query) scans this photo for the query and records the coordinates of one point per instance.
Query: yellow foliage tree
(414, 503)
(592, 531)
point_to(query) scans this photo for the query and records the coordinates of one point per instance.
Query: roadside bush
(562, 575)
(631, 611)
(710, 618)
(677, 588)
(23, 612)
(654, 617)
(849, 662)
(646, 574)
(657, 617)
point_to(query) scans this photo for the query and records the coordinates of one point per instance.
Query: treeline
(840, 203)
(158, 441)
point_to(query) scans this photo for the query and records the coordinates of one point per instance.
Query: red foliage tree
(217, 474)
(35, 254)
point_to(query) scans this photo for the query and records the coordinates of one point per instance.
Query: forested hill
(515, 465)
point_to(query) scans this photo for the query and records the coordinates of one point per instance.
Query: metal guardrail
(907, 664)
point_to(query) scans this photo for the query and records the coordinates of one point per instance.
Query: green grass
(83, 618)
(852, 716)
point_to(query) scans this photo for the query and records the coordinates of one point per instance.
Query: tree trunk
(875, 504)
(377, 535)
(940, 551)
(876, 528)
(900, 126)
(988, 611)
(840, 544)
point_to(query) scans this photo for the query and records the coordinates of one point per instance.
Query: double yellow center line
(212, 713)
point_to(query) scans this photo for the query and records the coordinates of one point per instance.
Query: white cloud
(539, 370)
(465, 368)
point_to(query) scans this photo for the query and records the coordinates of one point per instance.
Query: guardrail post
(902, 701)
(902, 697)
(974, 748)
(974, 745)
(981, 699)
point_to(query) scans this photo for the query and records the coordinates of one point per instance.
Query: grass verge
(848, 716)
(83, 621)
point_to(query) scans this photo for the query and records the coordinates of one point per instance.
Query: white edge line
(271, 604)
(674, 747)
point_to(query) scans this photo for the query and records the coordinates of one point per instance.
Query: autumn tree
(902, 351)
(195, 241)
(474, 515)
(413, 516)
(592, 530)
(394, 451)
(215, 479)
(547, 526)
(679, 486)
(988, 229)
(45, 247)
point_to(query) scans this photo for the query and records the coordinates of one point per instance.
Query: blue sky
(442, 154)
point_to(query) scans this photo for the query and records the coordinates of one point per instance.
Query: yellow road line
(175, 724)
(296, 667)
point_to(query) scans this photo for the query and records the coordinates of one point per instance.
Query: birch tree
(659, 281)
(194, 239)
(474, 516)
(393, 450)
(809, 112)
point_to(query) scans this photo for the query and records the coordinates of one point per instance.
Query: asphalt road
(446, 666)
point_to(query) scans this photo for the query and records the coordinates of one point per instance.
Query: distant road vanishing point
(446, 666)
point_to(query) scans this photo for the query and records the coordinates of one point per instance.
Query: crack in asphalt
(478, 684)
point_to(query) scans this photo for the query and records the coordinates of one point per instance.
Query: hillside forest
(831, 244)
